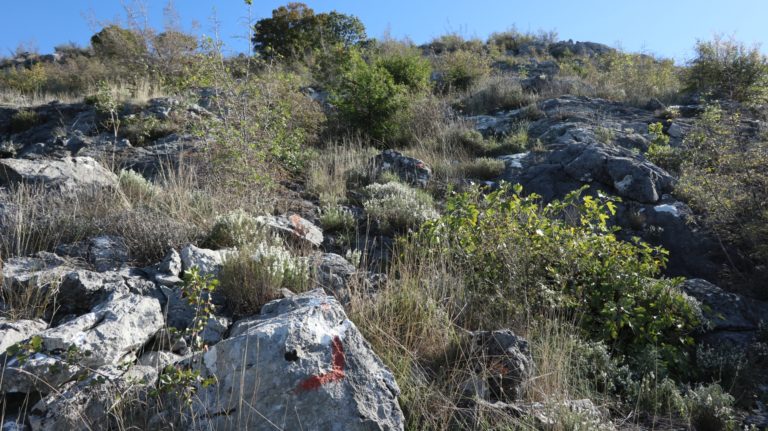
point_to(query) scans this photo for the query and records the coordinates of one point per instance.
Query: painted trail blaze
(336, 373)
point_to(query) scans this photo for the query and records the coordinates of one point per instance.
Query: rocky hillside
(512, 234)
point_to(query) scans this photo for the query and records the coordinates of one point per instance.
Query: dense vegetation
(464, 259)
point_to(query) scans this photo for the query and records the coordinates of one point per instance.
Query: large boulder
(42, 270)
(301, 364)
(726, 311)
(567, 167)
(108, 335)
(69, 174)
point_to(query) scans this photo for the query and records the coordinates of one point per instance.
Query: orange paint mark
(336, 373)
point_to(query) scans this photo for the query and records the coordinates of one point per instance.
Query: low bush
(396, 207)
(369, 99)
(460, 70)
(135, 187)
(235, 229)
(562, 256)
(725, 68)
(710, 408)
(23, 120)
(660, 152)
(254, 275)
(482, 168)
(493, 94)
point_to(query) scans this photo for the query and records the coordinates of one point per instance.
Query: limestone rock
(297, 362)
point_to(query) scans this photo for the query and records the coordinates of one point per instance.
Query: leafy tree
(725, 68)
(369, 99)
(295, 29)
(116, 42)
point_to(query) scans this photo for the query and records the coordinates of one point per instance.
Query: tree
(114, 41)
(295, 30)
(368, 98)
(725, 68)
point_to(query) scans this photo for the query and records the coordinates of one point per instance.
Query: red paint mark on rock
(336, 373)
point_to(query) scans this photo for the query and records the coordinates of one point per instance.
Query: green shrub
(23, 120)
(725, 68)
(407, 68)
(660, 152)
(460, 70)
(235, 229)
(369, 100)
(710, 408)
(254, 276)
(562, 256)
(397, 207)
(295, 30)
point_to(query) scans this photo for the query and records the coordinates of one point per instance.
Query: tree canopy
(295, 29)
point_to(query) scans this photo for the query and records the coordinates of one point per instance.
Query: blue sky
(668, 28)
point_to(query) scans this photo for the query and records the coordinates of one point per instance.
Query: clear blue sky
(668, 28)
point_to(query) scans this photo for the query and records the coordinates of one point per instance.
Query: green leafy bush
(407, 68)
(725, 68)
(295, 30)
(369, 99)
(397, 207)
(660, 152)
(519, 257)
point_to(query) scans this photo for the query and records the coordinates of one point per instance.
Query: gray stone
(68, 174)
(209, 262)
(43, 270)
(106, 336)
(301, 364)
(332, 273)
(107, 253)
(89, 404)
(505, 362)
(726, 311)
(171, 263)
(413, 171)
(294, 226)
(675, 131)
(81, 290)
(11, 332)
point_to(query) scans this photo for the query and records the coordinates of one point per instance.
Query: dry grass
(123, 92)
(328, 174)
